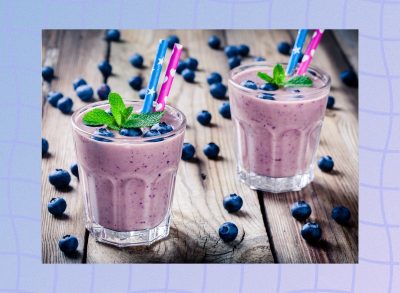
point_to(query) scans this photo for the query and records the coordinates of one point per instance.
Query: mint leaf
(137, 120)
(97, 117)
(128, 111)
(113, 126)
(299, 81)
(117, 107)
(265, 77)
(279, 74)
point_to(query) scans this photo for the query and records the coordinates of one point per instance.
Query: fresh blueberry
(142, 93)
(225, 110)
(211, 150)
(188, 151)
(266, 96)
(53, 98)
(300, 210)
(172, 40)
(45, 146)
(85, 92)
(47, 73)
(341, 215)
(259, 59)
(231, 51)
(131, 132)
(330, 103)
(228, 231)
(102, 132)
(59, 178)
(151, 133)
(218, 90)
(191, 63)
(181, 66)
(349, 78)
(214, 77)
(57, 206)
(105, 68)
(325, 163)
(284, 48)
(136, 82)
(311, 232)
(137, 60)
(244, 50)
(204, 117)
(269, 87)
(113, 35)
(188, 75)
(108, 111)
(233, 203)
(234, 62)
(68, 244)
(65, 105)
(249, 84)
(103, 91)
(162, 127)
(74, 170)
(78, 82)
(214, 42)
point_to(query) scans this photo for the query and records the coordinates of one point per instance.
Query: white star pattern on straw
(151, 92)
(312, 52)
(172, 72)
(160, 61)
(158, 106)
(296, 50)
(165, 79)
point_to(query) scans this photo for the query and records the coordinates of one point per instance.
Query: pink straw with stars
(169, 77)
(308, 55)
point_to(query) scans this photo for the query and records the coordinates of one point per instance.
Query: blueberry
(172, 40)
(325, 163)
(57, 206)
(113, 35)
(234, 62)
(266, 96)
(59, 178)
(284, 48)
(204, 117)
(225, 110)
(65, 105)
(136, 82)
(188, 151)
(349, 78)
(151, 133)
(45, 146)
(218, 90)
(300, 210)
(259, 59)
(211, 150)
(105, 68)
(131, 132)
(188, 75)
(341, 215)
(233, 203)
(78, 82)
(68, 244)
(181, 66)
(269, 87)
(231, 51)
(108, 111)
(228, 231)
(53, 97)
(102, 132)
(249, 84)
(137, 60)
(85, 92)
(74, 170)
(162, 127)
(214, 77)
(191, 63)
(103, 91)
(214, 42)
(244, 50)
(142, 93)
(330, 103)
(311, 232)
(47, 73)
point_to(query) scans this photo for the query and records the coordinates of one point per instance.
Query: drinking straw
(296, 51)
(308, 55)
(154, 76)
(169, 77)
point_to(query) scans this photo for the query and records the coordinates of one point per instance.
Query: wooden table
(267, 231)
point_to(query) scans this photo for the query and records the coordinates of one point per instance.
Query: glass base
(130, 238)
(274, 184)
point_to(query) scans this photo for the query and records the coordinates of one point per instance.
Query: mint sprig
(278, 78)
(122, 116)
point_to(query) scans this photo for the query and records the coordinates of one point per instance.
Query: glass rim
(128, 139)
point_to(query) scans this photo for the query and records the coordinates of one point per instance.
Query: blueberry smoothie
(277, 128)
(127, 177)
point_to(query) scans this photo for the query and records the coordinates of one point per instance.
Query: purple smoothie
(277, 138)
(128, 183)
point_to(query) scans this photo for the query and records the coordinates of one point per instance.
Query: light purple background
(20, 38)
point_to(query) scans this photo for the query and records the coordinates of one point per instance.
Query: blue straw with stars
(296, 51)
(154, 76)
